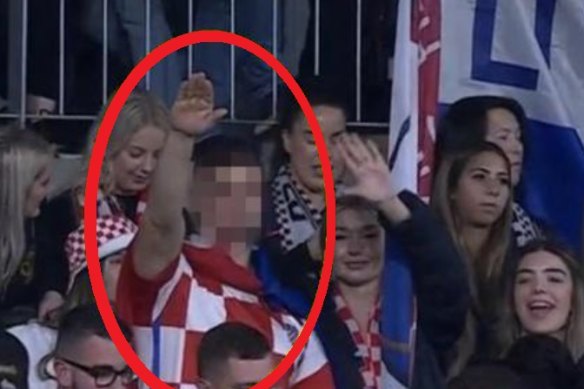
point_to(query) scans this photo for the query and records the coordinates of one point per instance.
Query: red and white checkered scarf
(368, 346)
(108, 205)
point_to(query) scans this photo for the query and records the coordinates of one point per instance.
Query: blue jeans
(129, 17)
(253, 78)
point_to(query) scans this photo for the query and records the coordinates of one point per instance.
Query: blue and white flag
(530, 50)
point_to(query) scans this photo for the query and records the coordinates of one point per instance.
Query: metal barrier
(18, 51)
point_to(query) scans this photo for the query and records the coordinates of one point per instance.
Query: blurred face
(482, 191)
(543, 294)
(37, 192)
(244, 374)
(134, 165)
(358, 248)
(93, 353)
(228, 200)
(503, 130)
(300, 146)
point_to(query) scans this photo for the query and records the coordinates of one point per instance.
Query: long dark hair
(486, 270)
(465, 123)
(320, 92)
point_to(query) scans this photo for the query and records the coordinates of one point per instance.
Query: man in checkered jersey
(172, 292)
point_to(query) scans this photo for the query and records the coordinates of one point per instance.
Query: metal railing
(18, 51)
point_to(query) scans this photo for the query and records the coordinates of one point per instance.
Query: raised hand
(371, 177)
(193, 111)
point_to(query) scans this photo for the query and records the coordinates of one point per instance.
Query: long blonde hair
(510, 328)
(140, 110)
(23, 156)
(485, 271)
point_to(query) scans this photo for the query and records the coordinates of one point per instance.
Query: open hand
(193, 111)
(370, 173)
(49, 305)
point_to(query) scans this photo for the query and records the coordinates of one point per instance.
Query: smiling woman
(545, 296)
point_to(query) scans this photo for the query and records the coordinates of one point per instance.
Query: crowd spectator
(545, 296)
(85, 357)
(350, 320)
(472, 195)
(297, 188)
(114, 235)
(502, 121)
(209, 281)
(233, 355)
(32, 281)
(131, 157)
(252, 77)
(126, 39)
(467, 293)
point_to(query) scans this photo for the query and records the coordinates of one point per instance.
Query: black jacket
(42, 269)
(440, 285)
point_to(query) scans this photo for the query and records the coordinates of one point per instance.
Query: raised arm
(371, 178)
(162, 230)
(438, 271)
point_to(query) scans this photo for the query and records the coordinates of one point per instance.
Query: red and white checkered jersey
(200, 290)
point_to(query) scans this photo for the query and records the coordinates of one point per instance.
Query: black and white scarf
(297, 217)
(524, 228)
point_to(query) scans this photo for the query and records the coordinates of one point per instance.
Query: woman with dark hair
(500, 120)
(297, 188)
(473, 197)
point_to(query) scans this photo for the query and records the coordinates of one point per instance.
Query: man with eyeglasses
(85, 356)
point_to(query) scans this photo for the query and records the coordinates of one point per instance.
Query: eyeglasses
(105, 375)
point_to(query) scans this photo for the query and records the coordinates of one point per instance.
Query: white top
(38, 340)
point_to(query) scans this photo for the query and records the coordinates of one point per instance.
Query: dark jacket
(440, 286)
(42, 269)
(580, 372)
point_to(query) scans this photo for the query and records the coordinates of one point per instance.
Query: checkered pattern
(113, 234)
(108, 205)
(369, 348)
(201, 290)
(524, 229)
(297, 217)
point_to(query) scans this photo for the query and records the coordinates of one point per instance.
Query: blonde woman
(131, 156)
(28, 277)
(473, 196)
(130, 160)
